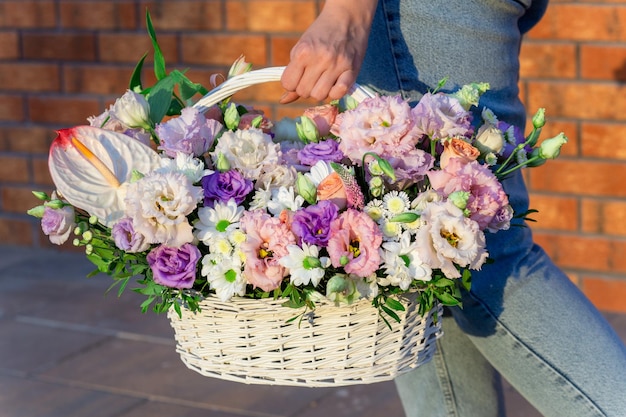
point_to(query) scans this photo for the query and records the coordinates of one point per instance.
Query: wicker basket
(252, 341)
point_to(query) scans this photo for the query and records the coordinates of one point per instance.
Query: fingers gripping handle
(247, 79)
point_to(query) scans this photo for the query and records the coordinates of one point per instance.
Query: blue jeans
(523, 318)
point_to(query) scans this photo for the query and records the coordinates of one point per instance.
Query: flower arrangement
(370, 199)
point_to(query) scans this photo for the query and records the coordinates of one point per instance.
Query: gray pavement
(68, 350)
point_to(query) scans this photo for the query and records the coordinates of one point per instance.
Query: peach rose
(458, 148)
(323, 117)
(332, 188)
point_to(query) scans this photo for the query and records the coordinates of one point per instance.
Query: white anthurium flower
(91, 168)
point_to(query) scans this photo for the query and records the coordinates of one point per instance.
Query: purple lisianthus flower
(174, 267)
(327, 150)
(439, 116)
(312, 224)
(191, 133)
(513, 136)
(127, 238)
(58, 224)
(222, 186)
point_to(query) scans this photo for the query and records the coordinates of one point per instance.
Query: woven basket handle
(239, 82)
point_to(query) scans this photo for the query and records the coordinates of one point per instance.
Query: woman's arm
(326, 59)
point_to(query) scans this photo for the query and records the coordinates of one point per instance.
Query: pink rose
(323, 117)
(354, 242)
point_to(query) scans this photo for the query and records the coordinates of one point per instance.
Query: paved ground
(68, 351)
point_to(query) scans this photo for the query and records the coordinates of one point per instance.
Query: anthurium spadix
(91, 168)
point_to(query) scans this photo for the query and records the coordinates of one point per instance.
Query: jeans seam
(539, 357)
(443, 375)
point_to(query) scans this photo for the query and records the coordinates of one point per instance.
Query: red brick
(14, 169)
(583, 22)
(224, 49)
(27, 14)
(110, 15)
(11, 108)
(130, 47)
(281, 48)
(185, 15)
(602, 140)
(29, 77)
(96, 79)
(269, 16)
(17, 199)
(41, 173)
(555, 213)
(34, 140)
(9, 45)
(17, 232)
(606, 294)
(582, 177)
(580, 252)
(548, 60)
(606, 217)
(53, 45)
(62, 111)
(603, 62)
(579, 100)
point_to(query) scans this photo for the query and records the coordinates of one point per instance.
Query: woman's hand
(328, 56)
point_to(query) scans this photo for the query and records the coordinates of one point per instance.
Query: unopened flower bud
(133, 110)
(306, 189)
(55, 204)
(41, 195)
(37, 211)
(307, 130)
(222, 164)
(377, 186)
(459, 198)
(88, 235)
(231, 117)
(539, 119)
(469, 95)
(311, 262)
(408, 217)
(93, 220)
(551, 148)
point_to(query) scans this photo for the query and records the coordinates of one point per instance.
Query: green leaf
(390, 313)
(160, 98)
(135, 79)
(394, 304)
(447, 299)
(444, 282)
(159, 61)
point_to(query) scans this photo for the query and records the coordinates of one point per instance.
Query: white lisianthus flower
(250, 151)
(402, 263)
(447, 237)
(224, 275)
(221, 219)
(159, 203)
(284, 199)
(192, 167)
(425, 198)
(304, 264)
(276, 177)
(133, 110)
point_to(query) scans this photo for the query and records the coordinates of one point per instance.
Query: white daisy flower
(402, 263)
(224, 275)
(284, 198)
(375, 210)
(260, 199)
(396, 202)
(222, 218)
(391, 230)
(304, 264)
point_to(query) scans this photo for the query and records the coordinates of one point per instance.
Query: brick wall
(64, 60)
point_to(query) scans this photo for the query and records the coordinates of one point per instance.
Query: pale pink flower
(267, 239)
(382, 124)
(487, 197)
(354, 242)
(440, 116)
(446, 237)
(323, 116)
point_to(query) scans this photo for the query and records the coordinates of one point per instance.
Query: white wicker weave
(250, 341)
